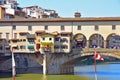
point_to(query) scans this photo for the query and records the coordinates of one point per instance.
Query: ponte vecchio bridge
(68, 40)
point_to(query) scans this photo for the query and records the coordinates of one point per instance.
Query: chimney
(77, 15)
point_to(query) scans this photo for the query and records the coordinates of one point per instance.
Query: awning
(47, 43)
(30, 47)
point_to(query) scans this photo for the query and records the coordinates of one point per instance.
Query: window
(46, 27)
(22, 47)
(96, 27)
(50, 39)
(7, 36)
(79, 27)
(14, 27)
(31, 41)
(56, 46)
(24, 40)
(30, 28)
(0, 35)
(64, 47)
(65, 35)
(38, 16)
(31, 13)
(62, 27)
(113, 27)
(20, 40)
(43, 38)
(57, 39)
(4, 2)
(1, 47)
(15, 35)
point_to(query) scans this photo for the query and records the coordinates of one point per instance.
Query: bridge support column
(105, 43)
(67, 69)
(87, 44)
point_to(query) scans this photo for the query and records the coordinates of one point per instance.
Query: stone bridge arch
(113, 41)
(79, 40)
(96, 40)
(90, 52)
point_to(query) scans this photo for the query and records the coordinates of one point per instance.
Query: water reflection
(44, 77)
(104, 72)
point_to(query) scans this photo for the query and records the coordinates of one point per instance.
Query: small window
(46, 27)
(43, 38)
(7, 36)
(38, 16)
(22, 47)
(14, 27)
(65, 35)
(50, 39)
(57, 39)
(20, 40)
(79, 27)
(113, 27)
(30, 28)
(96, 27)
(64, 47)
(15, 35)
(56, 46)
(24, 40)
(62, 27)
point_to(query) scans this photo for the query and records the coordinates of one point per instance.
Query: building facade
(38, 12)
(61, 35)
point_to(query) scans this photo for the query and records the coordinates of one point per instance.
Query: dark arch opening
(96, 41)
(113, 41)
(79, 40)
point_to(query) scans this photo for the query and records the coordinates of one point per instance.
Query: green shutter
(30, 47)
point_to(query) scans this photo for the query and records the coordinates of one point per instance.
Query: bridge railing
(100, 50)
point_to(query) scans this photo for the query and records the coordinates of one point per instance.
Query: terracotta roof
(23, 32)
(66, 33)
(81, 19)
(55, 33)
(40, 31)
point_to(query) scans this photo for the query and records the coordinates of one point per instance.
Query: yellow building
(47, 42)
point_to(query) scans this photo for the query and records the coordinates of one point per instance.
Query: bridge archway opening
(79, 40)
(96, 40)
(85, 59)
(113, 41)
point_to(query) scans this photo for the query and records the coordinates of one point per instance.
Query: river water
(103, 71)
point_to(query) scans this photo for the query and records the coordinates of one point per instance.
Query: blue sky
(87, 8)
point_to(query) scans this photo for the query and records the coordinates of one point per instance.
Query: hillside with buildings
(10, 9)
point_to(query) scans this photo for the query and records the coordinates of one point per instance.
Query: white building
(38, 12)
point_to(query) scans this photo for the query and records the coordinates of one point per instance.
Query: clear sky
(87, 8)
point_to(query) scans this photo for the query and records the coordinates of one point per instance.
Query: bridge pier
(67, 69)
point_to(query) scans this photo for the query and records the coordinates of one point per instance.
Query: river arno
(104, 71)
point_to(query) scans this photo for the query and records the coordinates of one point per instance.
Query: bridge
(64, 63)
(58, 63)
